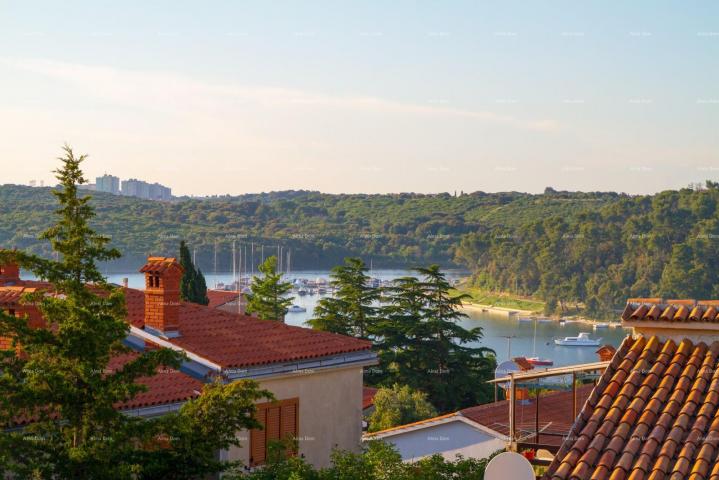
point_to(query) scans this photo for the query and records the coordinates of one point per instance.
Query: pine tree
(455, 374)
(352, 310)
(58, 377)
(268, 299)
(193, 287)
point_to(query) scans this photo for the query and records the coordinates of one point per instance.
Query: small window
(280, 421)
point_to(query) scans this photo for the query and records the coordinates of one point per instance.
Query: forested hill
(664, 245)
(320, 229)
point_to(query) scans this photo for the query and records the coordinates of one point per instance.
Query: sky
(220, 97)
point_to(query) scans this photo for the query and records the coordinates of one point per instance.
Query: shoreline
(509, 312)
(492, 309)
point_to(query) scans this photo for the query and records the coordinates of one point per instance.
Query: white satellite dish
(509, 465)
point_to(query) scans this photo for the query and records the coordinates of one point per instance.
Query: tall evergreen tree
(457, 373)
(193, 287)
(268, 299)
(61, 382)
(352, 310)
(421, 343)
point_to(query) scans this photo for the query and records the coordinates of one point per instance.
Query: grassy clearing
(504, 300)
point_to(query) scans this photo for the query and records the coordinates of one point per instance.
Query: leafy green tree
(399, 405)
(269, 298)
(352, 310)
(193, 287)
(61, 383)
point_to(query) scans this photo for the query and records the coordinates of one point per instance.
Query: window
(280, 420)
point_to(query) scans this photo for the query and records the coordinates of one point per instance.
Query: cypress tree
(193, 287)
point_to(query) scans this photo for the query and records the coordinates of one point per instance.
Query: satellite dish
(504, 369)
(509, 465)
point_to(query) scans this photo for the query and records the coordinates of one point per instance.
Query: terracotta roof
(660, 310)
(168, 386)
(220, 297)
(11, 295)
(555, 415)
(233, 340)
(653, 415)
(160, 264)
(368, 394)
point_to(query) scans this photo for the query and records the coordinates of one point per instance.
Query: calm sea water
(495, 326)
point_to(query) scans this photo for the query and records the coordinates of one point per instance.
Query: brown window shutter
(289, 423)
(280, 421)
(258, 443)
(273, 424)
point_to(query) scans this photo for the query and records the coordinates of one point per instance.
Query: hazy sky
(231, 97)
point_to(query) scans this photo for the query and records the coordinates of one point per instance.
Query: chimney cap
(160, 265)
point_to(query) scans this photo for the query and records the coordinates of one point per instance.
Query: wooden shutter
(280, 421)
(258, 441)
(288, 424)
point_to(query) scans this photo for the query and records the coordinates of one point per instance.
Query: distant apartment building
(148, 191)
(108, 183)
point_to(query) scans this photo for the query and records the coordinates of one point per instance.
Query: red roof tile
(662, 423)
(233, 340)
(674, 311)
(168, 386)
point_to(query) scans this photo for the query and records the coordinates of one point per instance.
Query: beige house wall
(330, 412)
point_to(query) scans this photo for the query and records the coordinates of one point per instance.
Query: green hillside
(321, 229)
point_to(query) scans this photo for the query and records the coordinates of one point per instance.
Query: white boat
(296, 309)
(582, 340)
(601, 325)
(524, 320)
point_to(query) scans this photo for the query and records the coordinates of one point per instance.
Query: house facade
(316, 377)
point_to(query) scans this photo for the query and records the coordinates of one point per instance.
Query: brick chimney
(162, 296)
(9, 274)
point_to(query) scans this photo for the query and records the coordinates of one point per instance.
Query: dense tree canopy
(660, 245)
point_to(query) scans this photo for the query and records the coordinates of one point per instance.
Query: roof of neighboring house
(234, 340)
(220, 297)
(167, 386)
(368, 394)
(654, 414)
(660, 310)
(555, 415)
(11, 295)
